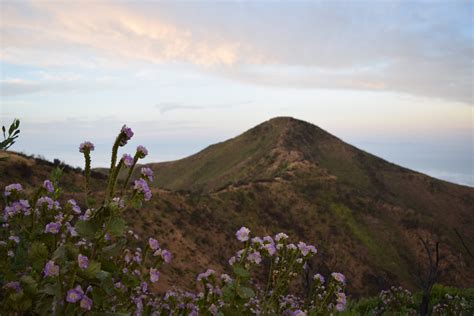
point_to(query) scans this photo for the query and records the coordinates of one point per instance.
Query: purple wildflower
(141, 186)
(52, 228)
(243, 234)
(270, 248)
(86, 303)
(16, 239)
(120, 202)
(82, 261)
(72, 231)
(74, 295)
(13, 187)
(127, 160)
(147, 173)
(142, 152)
(51, 204)
(341, 301)
(268, 239)
(154, 245)
(319, 277)
(51, 269)
(154, 275)
(17, 207)
(86, 216)
(144, 287)
(139, 304)
(86, 147)
(15, 285)
(205, 275)
(166, 255)
(226, 278)
(127, 135)
(281, 236)
(255, 257)
(339, 277)
(291, 246)
(48, 185)
(75, 208)
(306, 249)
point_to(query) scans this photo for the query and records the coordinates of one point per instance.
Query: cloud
(172, 106)
(168, 107)
(65, 31)
(409, 47)
(54, 81)
(18, 86)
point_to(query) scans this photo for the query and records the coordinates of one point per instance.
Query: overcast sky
(392, 77)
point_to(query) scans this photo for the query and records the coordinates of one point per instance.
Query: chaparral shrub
(58, 257)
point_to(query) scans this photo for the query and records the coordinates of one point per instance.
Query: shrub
(63, 258)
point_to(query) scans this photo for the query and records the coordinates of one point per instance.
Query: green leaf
(38, 255)
(245, 292)
(72, 251)
(113, 250)
(92, 271)
(43, 306)
(29, 284)
(117, 227)
(70, 310)
(241, 272)
(136, 202)
(86, 229)
(38, 250)
(102, 275)
(231, 311)
(51, 289)
(228, 292)
(16, 296)
(60, 253)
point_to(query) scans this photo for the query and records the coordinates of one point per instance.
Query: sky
(394, 78)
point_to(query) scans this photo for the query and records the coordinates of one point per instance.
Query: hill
(363, 213)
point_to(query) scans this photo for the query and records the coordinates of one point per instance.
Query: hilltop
(363, 213)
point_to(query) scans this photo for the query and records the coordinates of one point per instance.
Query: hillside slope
(364, 214)
(286, 174)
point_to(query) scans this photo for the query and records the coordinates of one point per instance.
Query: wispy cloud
(171, 106)
(409, 47)
(64, 32)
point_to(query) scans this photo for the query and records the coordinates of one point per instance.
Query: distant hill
(363, 213)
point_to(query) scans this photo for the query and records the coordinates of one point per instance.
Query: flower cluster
(86, 147)
(141, 187)
(66, 257)
(147, 174)
(14, 187)
(127, 160)
(285, 261)
(126, 135)
(452, 305)
(396, 300)
(142, 152)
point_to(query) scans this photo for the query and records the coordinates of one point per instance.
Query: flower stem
(135, 160)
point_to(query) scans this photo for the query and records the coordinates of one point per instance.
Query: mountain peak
(282, 147)
(286, 121)
(272, 149)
